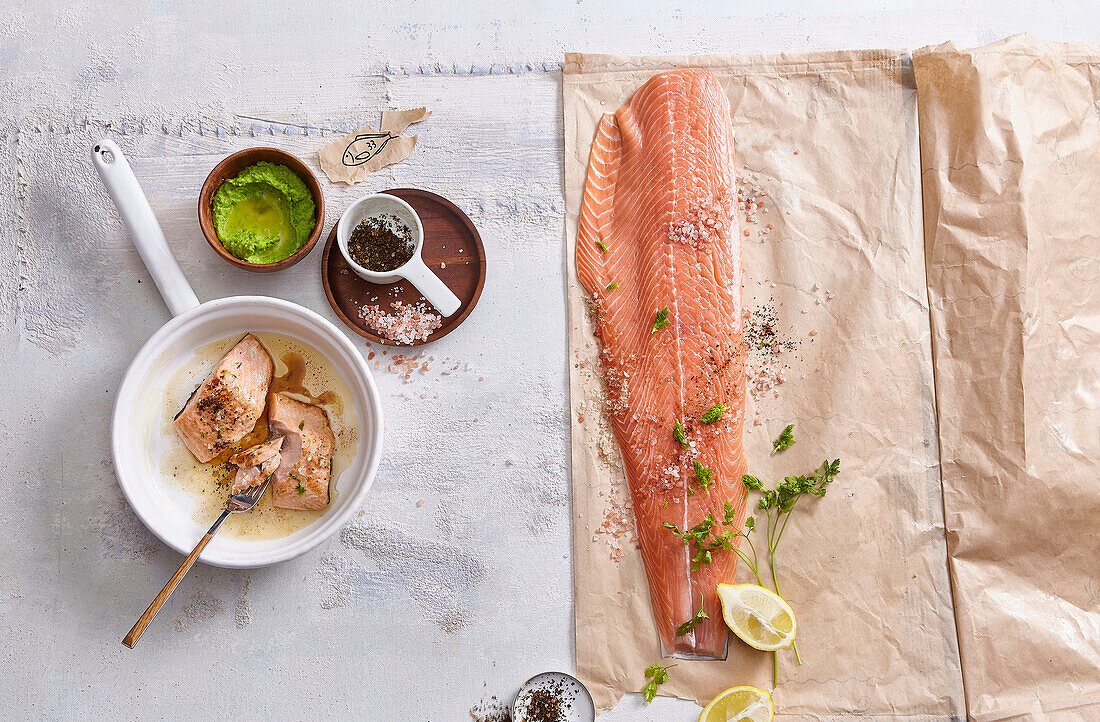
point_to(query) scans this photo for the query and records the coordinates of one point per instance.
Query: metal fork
(237, 503)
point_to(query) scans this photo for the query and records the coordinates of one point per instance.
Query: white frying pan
(137, 430)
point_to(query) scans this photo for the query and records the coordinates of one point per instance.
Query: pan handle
(138, 216)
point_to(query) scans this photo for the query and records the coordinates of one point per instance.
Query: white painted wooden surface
(416, 612)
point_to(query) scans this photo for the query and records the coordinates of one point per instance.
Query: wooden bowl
(229, 168)
(452, 249)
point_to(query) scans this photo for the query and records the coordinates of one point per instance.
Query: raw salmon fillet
(660, 196)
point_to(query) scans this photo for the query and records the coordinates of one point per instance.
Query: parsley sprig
(657, 675)
(785, 440)
(661, 320)
(689, 626)
(713, 414)
(679, 435)
(777, 505)
(704, 477)
(705, 538)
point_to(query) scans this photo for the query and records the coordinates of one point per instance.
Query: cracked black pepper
(381, 243)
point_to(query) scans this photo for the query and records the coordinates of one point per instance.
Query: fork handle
(143, 621)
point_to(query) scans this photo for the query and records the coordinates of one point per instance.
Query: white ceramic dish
(136, 429)
(577, 704)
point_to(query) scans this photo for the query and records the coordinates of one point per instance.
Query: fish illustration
(365, 146)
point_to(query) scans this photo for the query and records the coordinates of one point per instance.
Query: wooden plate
(452, 249)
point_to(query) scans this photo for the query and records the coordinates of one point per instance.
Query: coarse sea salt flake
(405, 324)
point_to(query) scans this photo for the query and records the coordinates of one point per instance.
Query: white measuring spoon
(414, 270)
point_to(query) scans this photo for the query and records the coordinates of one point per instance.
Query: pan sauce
(302, 373)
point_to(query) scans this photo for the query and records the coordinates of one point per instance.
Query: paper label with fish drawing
(359, 153)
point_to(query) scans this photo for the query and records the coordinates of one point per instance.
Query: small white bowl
(578, 705)
(415, 271)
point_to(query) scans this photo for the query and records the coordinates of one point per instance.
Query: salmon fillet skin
(229, 402)
(659, 230)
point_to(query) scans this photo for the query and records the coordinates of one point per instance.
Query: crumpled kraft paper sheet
(359, 153)
(1010, 147)
(865, 567)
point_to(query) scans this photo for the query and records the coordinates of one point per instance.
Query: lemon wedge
(758, 616)
(739, 704)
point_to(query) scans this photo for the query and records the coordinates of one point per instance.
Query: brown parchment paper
(359, 153)
(1010, 146)
(864, 568)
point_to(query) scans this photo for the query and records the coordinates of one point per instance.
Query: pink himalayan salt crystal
(406, 324)
(707, 220)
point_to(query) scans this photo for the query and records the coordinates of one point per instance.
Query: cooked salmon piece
(256, 464)
(305, 469)
(229, 402)
(659, 250)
